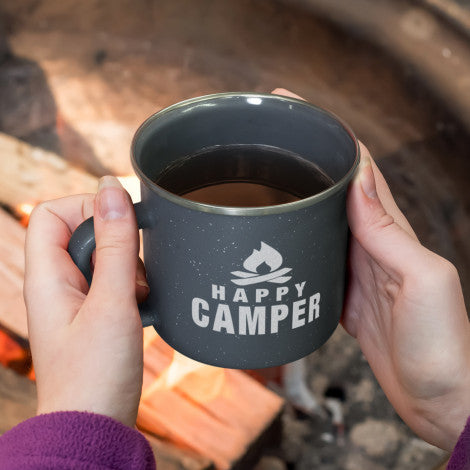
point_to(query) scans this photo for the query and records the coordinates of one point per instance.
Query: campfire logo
(247, 308)
(263, 265)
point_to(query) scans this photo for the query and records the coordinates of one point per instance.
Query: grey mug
(207, 299)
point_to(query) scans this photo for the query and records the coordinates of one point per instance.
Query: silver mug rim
(244, 211)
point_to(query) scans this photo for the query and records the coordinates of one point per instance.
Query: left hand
(405, 306)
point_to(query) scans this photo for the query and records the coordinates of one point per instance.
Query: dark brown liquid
(244, 176)
(240, 195)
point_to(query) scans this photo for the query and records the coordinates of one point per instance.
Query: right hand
(86, 342)
(406, 308)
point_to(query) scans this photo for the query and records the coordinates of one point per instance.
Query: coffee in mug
(244, 176)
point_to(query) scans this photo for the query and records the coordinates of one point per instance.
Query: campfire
(79, 77)
(196, 416)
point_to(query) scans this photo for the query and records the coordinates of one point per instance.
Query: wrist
(444, 418)
(123, 413)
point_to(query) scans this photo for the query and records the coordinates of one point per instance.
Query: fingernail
(112, 199)
(142, 283)
(366, 178)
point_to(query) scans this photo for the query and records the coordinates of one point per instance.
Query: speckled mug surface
(207, 299)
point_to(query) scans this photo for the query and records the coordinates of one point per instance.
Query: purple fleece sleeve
(460, 458)
(74, 440)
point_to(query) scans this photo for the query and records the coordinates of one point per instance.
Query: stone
(327, 437)
(417, 454)
(318, 383)
(343, 347)
(364, 391)
(27, 101)
(377, 438)
(293, 437)
(4, 47)
(357, 461)
(270, 463)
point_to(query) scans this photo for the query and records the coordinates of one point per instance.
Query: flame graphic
(267, 255)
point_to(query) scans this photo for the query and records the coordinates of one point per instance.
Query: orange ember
(24, 211)
(14, 356)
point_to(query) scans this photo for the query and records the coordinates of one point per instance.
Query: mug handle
(82, 244)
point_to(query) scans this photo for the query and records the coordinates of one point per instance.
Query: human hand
(86, 343)
(405, 307)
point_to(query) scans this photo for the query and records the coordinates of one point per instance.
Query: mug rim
(237, 210)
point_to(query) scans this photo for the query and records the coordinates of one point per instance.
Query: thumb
(376, 230)
(116, 237)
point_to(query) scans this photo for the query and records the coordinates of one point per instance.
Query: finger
(376, 229)
(116, 236)
(380, 187)
(385, 195)
(142, 288)
(49, 270)
(284, 92)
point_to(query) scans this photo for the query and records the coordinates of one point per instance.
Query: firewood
(220, 425)
(12, 308)
(18, 402)
(31, 175)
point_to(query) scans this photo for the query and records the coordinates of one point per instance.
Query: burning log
(18, 402)
(31, 175)
(220, 413)
(12, 308)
